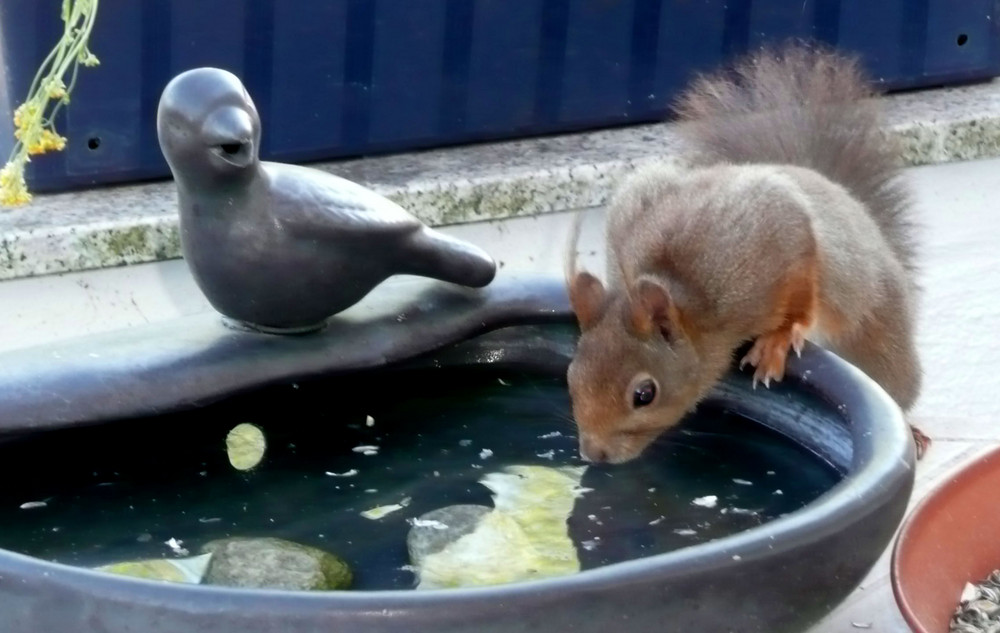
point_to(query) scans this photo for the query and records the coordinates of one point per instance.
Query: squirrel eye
(644, 394)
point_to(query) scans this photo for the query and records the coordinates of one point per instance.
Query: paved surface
(959, 206)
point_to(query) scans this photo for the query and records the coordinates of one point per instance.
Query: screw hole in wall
(94, 142)
(962, 39)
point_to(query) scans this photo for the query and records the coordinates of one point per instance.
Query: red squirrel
(790, 223)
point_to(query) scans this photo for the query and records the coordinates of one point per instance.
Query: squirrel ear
(652, 309)
(586, 296)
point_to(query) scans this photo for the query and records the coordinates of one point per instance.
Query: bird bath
(122, 437)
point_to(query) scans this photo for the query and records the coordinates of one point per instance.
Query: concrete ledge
(137, 223)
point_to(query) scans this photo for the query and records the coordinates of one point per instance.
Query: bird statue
(282, 248)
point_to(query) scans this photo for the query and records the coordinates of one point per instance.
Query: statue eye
(644, 394)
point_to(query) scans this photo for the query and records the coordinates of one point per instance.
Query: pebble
(272, 563)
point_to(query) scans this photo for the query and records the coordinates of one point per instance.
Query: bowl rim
(957, 475)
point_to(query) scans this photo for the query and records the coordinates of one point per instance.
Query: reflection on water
(123, 491)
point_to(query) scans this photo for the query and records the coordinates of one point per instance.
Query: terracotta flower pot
(950, 539)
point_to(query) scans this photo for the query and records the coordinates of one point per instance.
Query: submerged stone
(524, 537)
(272, 563)
(435, 530)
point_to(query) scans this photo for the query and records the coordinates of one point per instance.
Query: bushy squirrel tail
(805, 106)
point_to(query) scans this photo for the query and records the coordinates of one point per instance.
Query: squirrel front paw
(770, 350)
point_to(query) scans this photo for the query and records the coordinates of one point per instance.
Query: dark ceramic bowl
(949, 539)
(779, 576)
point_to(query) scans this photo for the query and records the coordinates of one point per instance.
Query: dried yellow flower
(34, 126)
(13, 189)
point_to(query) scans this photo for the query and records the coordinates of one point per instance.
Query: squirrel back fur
(807, 107)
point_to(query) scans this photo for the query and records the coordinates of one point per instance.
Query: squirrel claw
(769, 352)
(922, 441)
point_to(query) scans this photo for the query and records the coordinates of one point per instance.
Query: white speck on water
(209, 520)
(743, 511)
(485, 453)
(708, 501)
(549, 436)
(371, 491)
(427, 523)
(437, 473)
(590, 545)
(465, 443)
(770, 472)
(31, 505)
(503, 382)
(743, 482)
(350, 473)
(477, 466)
(592, 517)
(737, 557)
(778, 492)
(685, 532)
(657, 521)
(366, 449)
(175, 546)
(546, 455)
(652, 490)
(369, 421)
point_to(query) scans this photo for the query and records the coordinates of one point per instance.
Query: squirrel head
(635, 372)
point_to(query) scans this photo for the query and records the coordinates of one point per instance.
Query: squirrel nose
(591, 452)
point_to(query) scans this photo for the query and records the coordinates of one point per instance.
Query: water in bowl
(122, 490)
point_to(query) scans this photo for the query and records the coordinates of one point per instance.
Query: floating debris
(379, 512)
(657, 521)
(465, 443)
(742, 482)
(549, 436)
(175, 546)
(209, 520)
(485, 453)
(777, 492)
(742, 511)
(245, 446)
(366, 449)
(591, 545)
(708, 501)
(685, 532)
(503, 382)
(369, 421)
(427, 523)
(547, 454)
(31, 505)
(350, 473)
